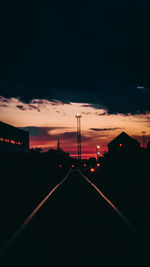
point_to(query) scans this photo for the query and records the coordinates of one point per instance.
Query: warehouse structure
(123, 143)
(12, 139)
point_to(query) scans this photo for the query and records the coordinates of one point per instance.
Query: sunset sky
(47, 121)
(62, 60)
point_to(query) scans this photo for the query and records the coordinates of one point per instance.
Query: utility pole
(78, 116)
(58, 145)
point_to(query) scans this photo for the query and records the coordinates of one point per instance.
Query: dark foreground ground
(75, 227)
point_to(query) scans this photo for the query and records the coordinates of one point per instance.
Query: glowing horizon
(49, 120)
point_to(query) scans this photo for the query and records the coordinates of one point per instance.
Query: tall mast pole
(78, 116)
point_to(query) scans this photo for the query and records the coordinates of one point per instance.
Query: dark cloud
(103, 114)
(31, 107)
(20, 107)
(3, 105)
(97, 54)
(4, 100)
(37, 101)
(103, 129)
(86, 105)
(70, 136)
(42, 132)
(56, 103)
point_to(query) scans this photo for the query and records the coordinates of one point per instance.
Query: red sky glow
(47, 121)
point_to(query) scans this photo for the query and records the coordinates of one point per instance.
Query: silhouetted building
(12, 139)
(123, 143)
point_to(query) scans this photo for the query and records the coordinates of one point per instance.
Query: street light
(97, 152)
(78, 115)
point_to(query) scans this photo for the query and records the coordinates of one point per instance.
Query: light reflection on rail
(27, 221)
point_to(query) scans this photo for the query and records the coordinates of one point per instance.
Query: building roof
(123, 137)
(10, 132)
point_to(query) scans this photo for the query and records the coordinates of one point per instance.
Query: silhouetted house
(123, 143)
(12, 139)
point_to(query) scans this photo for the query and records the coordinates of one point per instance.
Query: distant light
(78, 115)
(60, 166)
(140, 87)
(98, 164)
(92, 170)
(98, 146)
(72, 166)
(120, 145)
(98, 153)
(84, 165)
(7, 140)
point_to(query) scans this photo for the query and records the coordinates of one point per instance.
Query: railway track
(78, 198)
